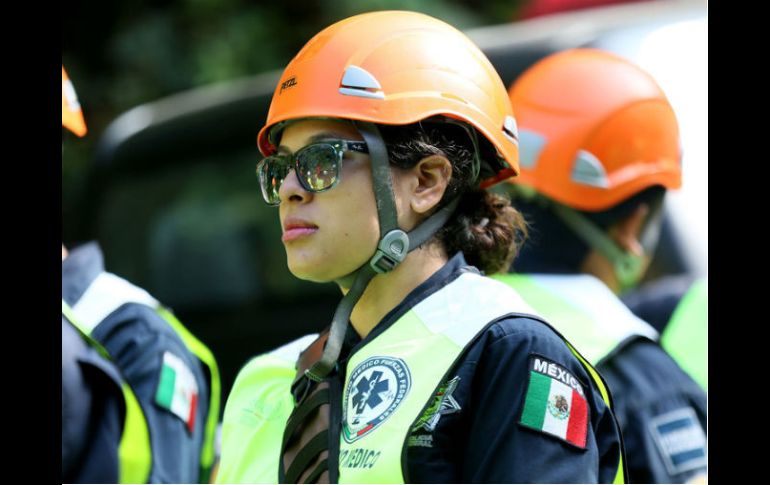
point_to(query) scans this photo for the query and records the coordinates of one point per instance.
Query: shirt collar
(79, 269)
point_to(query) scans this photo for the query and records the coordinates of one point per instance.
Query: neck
(386, 291)
(597, 265)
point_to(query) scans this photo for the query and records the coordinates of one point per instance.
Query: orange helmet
(595, 130)
(71, 114)
(396, 68)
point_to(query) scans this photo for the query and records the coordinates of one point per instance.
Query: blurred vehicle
(173, 199)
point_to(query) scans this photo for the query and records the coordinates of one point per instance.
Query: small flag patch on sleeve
(680, 439)
(555, 403)
(177, 389)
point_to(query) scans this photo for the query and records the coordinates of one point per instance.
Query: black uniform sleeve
(137, 339)
(482, 439)
(92, 413)
(500, 449)
(656, 301)
(662, 413)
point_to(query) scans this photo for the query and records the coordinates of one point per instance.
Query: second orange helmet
(595, 129)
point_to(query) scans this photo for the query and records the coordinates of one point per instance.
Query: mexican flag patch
(555, 402)
(177, 389)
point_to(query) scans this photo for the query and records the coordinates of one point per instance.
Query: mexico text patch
(555, 402)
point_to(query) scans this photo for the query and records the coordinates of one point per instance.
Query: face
(328, 235)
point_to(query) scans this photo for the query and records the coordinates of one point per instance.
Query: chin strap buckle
(391, 251)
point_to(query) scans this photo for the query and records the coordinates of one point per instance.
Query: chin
(308, 270)
(317, 272)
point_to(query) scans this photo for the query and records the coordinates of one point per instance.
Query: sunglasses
(318, 167)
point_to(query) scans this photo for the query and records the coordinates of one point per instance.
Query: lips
(294, 228)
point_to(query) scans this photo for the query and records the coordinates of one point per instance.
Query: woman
(381, 133)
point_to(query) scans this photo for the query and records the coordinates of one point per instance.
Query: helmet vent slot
(588, 170)
(359, 82)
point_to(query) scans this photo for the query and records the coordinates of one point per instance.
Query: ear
(626, 232)
(431, 178)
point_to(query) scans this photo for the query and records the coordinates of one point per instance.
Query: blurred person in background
(677, 306)
(599, 149)
(140, 394)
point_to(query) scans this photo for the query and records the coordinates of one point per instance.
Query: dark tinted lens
(318, 166)
(271, 172)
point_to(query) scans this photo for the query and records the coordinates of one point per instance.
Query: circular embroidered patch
(376, 387)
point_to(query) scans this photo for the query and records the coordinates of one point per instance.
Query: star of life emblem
(375, 389)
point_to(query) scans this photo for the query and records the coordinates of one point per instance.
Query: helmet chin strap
(627, 267)
(392, 248)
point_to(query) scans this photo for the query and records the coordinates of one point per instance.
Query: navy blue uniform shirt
(656, 301)
(661, 411)
(136, 338)
(92, 412)
(477, 437)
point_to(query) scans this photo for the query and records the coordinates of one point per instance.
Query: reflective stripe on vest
(134, 450)
(204, 354)
(255, 416)
(108, 292)
(686, 335)
(583, 309)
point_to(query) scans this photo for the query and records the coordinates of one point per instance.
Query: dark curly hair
(485, 227)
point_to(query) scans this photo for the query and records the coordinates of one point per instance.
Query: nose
(292, 190)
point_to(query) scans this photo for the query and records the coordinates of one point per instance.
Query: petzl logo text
(289, 83)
